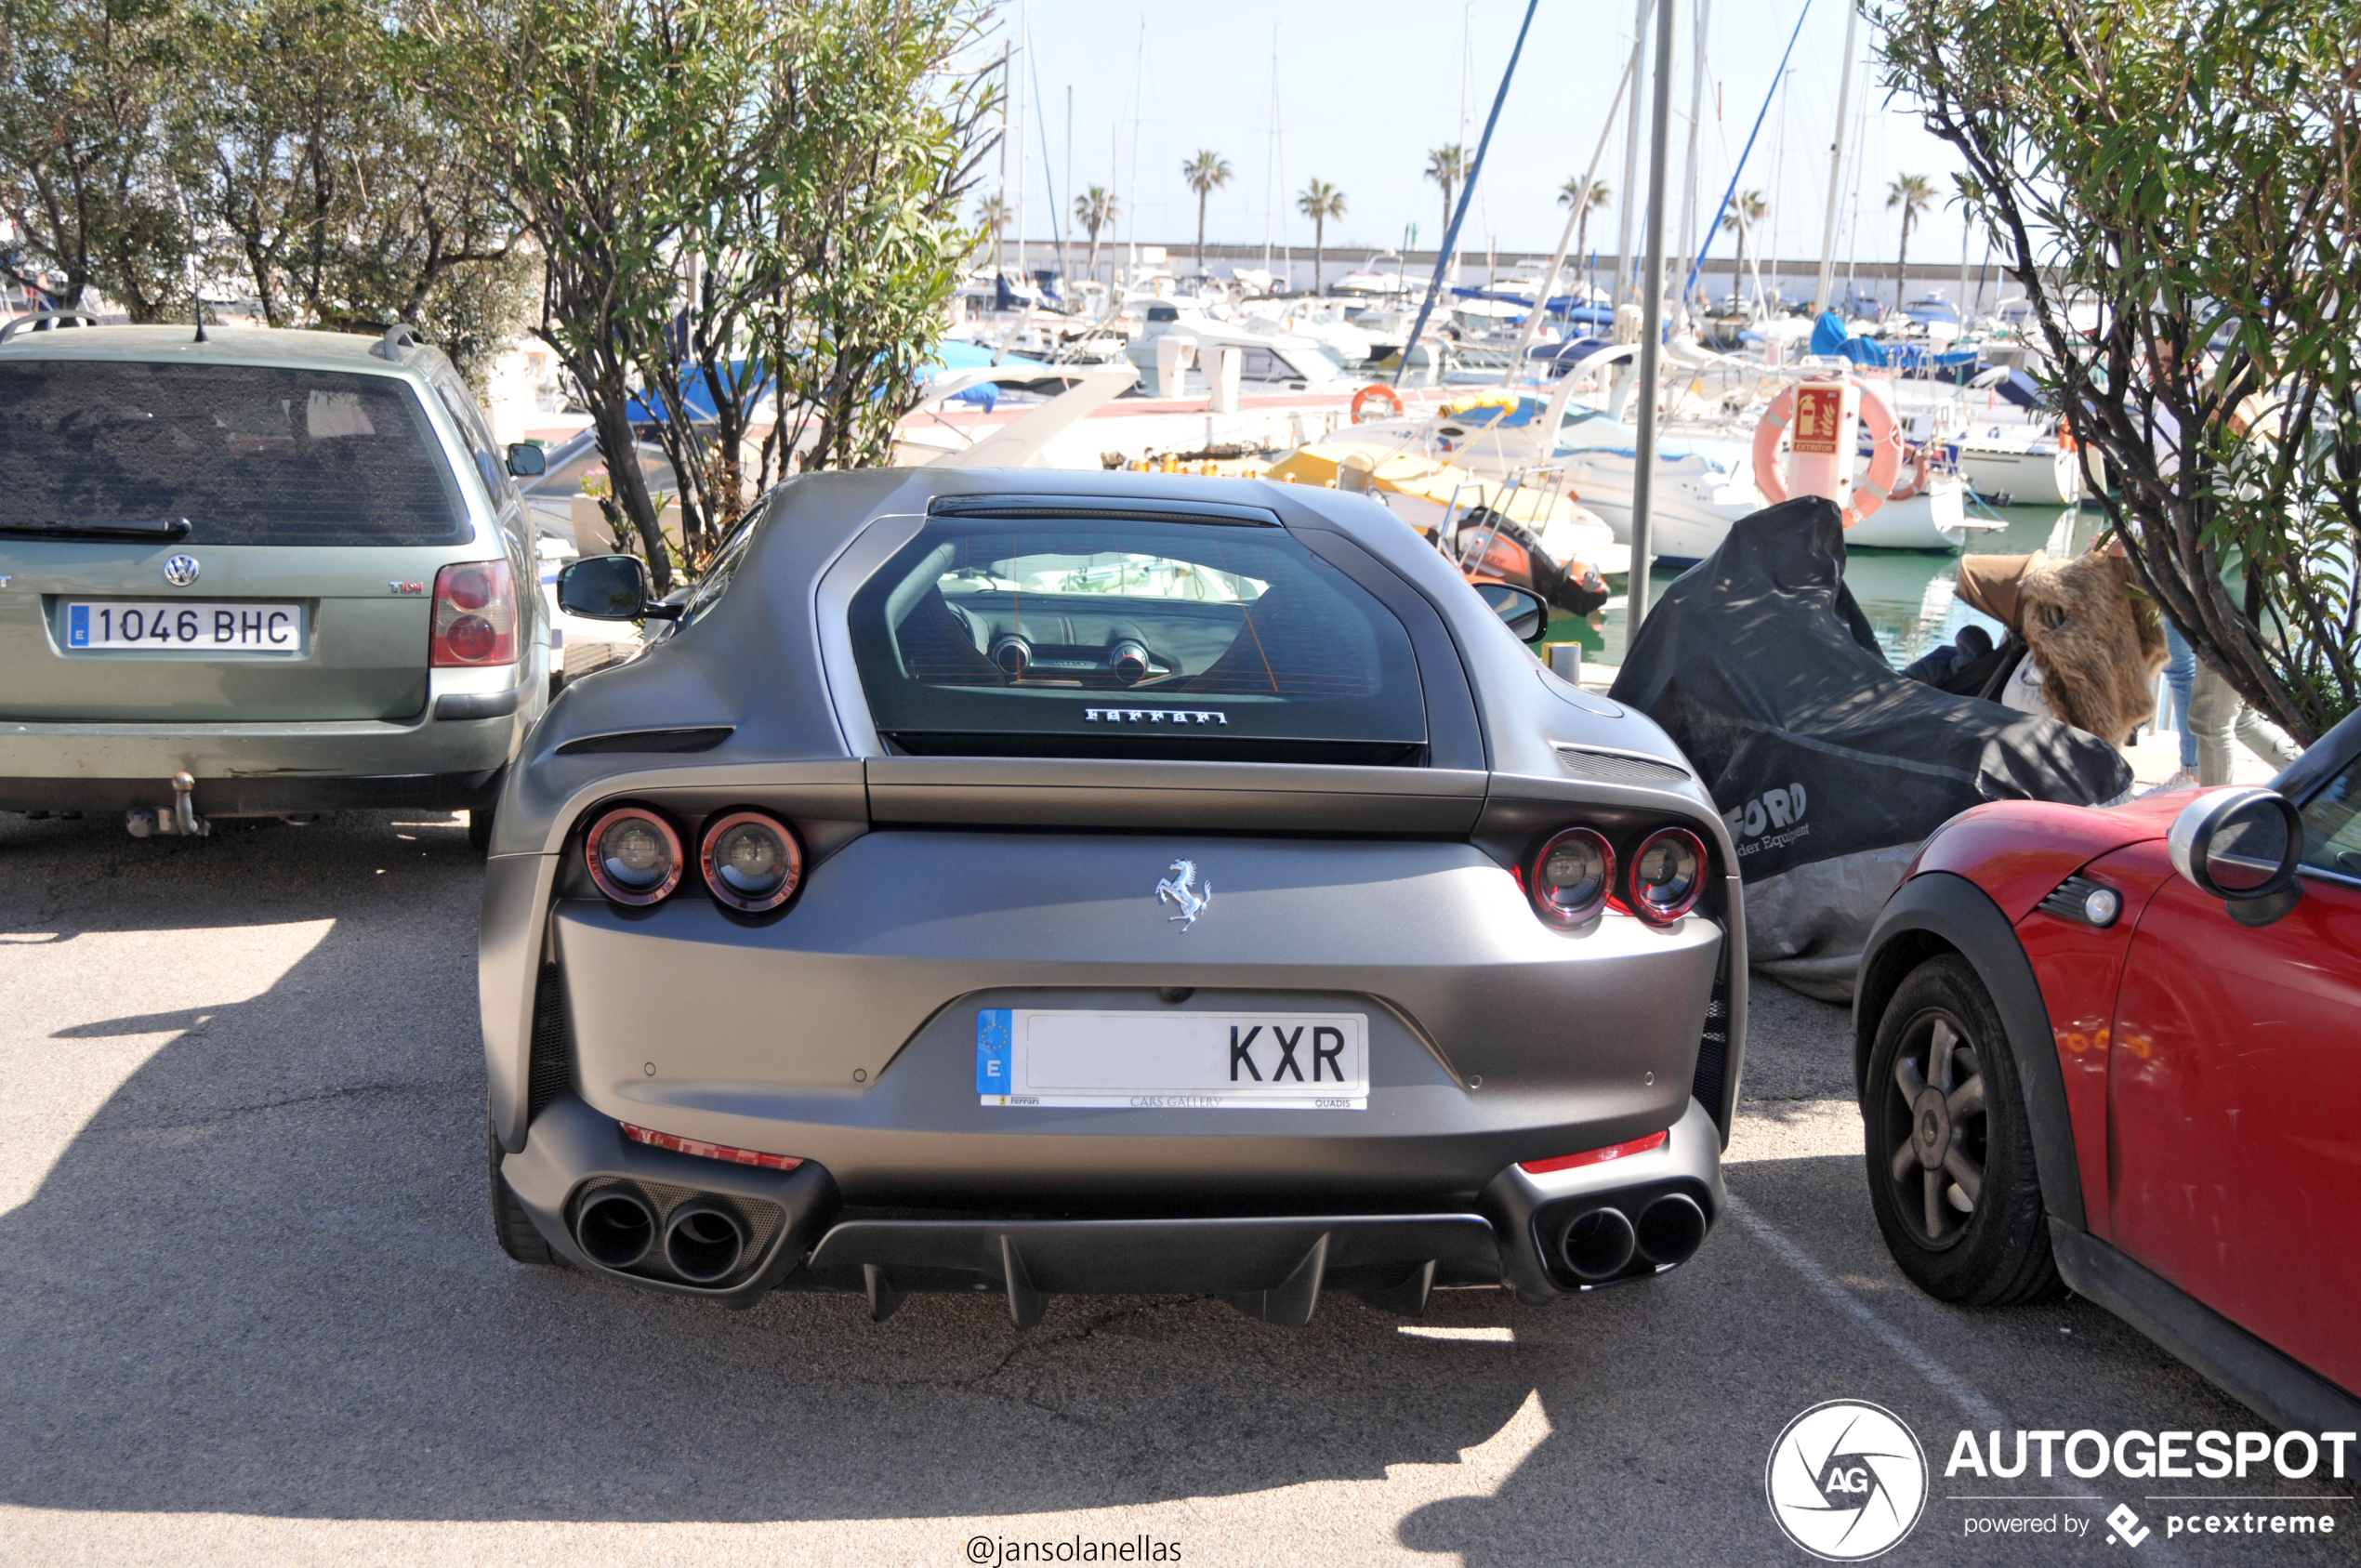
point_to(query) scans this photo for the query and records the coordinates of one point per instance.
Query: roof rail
(398, 338)
(38, 319)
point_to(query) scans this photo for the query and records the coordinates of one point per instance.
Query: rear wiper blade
(128, 528)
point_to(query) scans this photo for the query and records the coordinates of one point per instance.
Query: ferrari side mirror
(527, 460)
(2242, 846)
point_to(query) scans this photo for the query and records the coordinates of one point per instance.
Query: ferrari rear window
(249, 455)
(1131, 636)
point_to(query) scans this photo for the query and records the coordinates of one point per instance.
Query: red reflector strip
(1595, 1156)
(712, 1150)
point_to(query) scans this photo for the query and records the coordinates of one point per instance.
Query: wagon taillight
(475, 616)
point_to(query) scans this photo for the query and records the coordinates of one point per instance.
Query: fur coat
(2097, 639)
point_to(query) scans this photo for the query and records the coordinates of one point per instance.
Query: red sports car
(2121, 1049)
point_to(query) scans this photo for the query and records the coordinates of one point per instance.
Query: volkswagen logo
(1847, 1481)
(180, 570)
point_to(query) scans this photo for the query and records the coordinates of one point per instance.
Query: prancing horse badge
(1181, 888)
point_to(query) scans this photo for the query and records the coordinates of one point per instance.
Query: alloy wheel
(1937, 1126)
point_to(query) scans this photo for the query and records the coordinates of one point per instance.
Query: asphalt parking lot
(251, 1309)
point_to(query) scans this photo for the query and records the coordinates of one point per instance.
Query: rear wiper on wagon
(165, 527)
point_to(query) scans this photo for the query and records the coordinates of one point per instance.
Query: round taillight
(1667, 875)
(472, 638)
(635, 856)
(1571, 876)
(752, 861)
(1130, 661)
(469, 587)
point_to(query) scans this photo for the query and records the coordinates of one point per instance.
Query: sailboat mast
(1131, 199)
(1836, 169)
(1624, 200)
(1643, 462)
(1574, 216)
(1689, 249)
(1270, 153)
(1024, 81)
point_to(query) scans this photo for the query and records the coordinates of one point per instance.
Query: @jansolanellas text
(993, 1551)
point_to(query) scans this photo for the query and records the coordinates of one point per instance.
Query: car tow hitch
(182, 820)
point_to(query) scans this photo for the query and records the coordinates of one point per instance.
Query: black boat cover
(1830, 766)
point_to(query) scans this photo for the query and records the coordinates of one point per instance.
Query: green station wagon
(257, 574)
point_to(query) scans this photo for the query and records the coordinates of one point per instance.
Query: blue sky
(1367, 89)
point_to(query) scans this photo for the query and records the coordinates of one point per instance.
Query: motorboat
(1266, 357)
(1372, 281)
(1699, 488)
(1431, 496)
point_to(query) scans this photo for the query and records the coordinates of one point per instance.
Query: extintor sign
(1819, 418)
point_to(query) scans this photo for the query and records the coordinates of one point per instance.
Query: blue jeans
(2181, 675)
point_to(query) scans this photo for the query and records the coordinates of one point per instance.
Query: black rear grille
(1713, 1049)
(695, 738)
(552, 1064)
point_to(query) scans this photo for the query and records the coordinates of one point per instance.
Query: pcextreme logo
(1846, 1480)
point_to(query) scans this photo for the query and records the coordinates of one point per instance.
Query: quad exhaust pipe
(700, 1241)
(615, 1228)
(1601, 1244)
(703, 1244)
(1672, 1229)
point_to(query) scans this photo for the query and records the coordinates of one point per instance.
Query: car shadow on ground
(260, 1280)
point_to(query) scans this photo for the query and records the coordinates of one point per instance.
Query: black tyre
(479, 829)
(510, 1224)
(1950, 1150)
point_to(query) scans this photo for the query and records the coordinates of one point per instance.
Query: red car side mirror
(2242, 846)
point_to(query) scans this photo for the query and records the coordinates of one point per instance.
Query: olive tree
(344, 200)
(91, 173)
(734, 201)
(2185, 171)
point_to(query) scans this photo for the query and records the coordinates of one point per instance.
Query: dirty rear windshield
(1132, 637)
(249, 455)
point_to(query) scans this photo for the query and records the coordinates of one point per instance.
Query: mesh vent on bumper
(551, 1070)
(1713, 1046)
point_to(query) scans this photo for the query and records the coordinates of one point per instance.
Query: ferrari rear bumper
(793, 1230)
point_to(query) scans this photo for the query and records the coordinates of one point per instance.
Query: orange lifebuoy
(1378, 391)
(1885, 452)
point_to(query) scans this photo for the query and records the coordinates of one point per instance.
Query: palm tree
(1447, 166)
(1911, 192)
(1205, 173)
(1319, 202)
(1600, 196)
(992, 211)
(1746, 214)
(1095, 209)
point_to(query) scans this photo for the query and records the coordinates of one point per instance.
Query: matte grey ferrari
(1045, 882)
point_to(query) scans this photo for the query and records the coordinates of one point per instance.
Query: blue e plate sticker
(992, 1050)
(77, 625)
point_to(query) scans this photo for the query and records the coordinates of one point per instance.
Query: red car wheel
(1950, 1152)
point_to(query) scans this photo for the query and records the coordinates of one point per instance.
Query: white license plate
(1172, 1060)
(250, 628)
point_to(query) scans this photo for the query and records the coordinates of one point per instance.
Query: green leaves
(2188, 168)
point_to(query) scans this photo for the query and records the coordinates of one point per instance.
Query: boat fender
(1376, 392)
(1885, 452)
